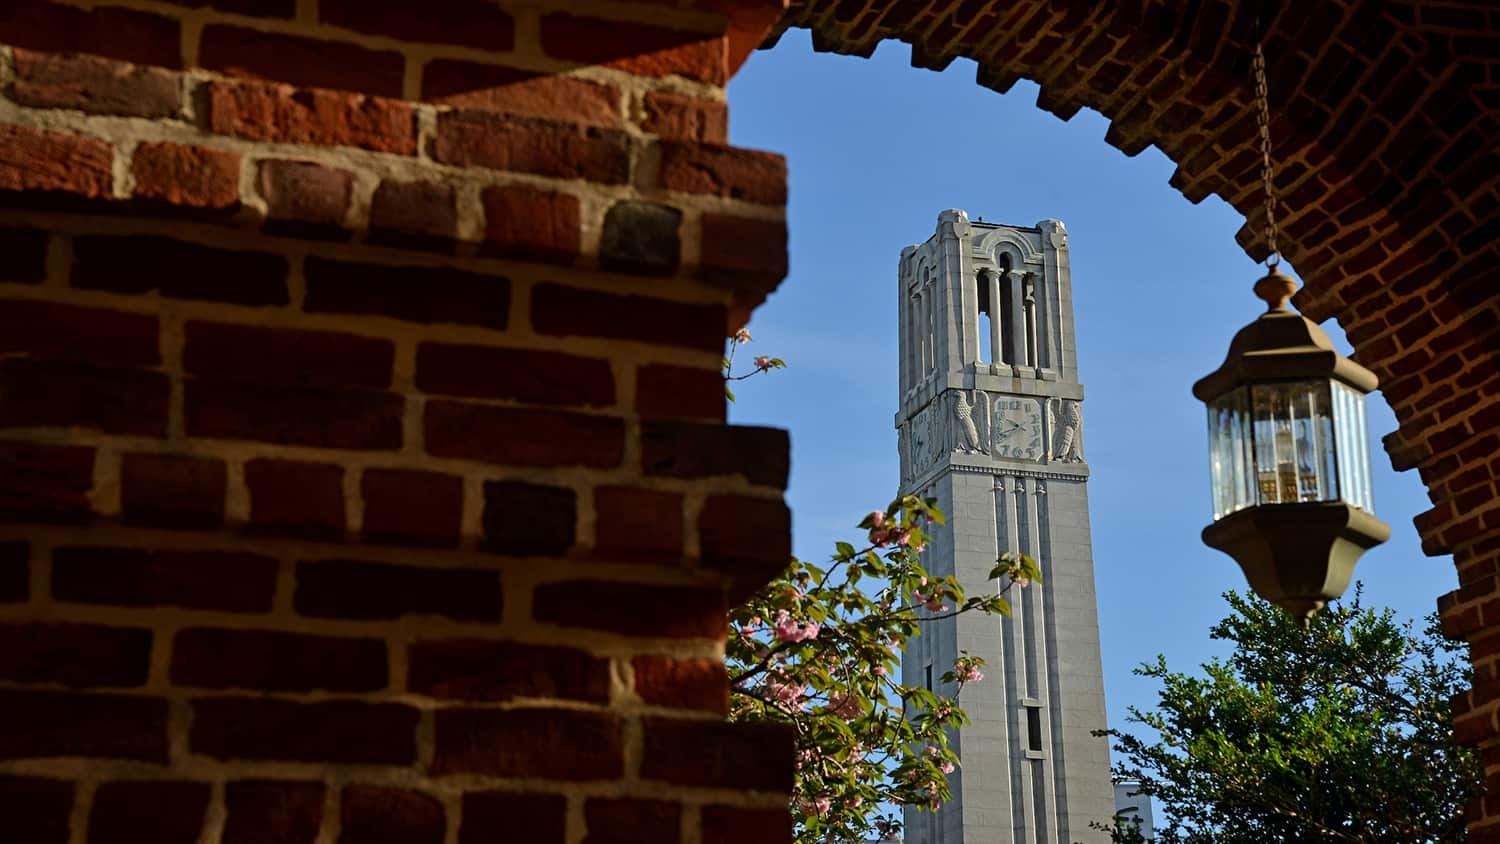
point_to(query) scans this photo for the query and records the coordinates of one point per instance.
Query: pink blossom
(923, 581)
(903, 538)
(784, 692)
(742, 336)
(763, 362)
(822, 805)
(876, 518)
(1021, 581)
(845, 706)
(880, 537)
(746, 630)
(854, 802)
(946, 767)
(878, 671)
(972, 675)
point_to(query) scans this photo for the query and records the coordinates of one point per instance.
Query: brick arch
(1385, 120)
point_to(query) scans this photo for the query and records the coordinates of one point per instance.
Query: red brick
(370, 591)
(36, 810)
(632, 821)
(693, 450)
(333, 731)
(61, 395)
(736, 825)
(162, 812)
(488, 87)
(636, 48)
(45, 483)
(522, 519)
(467, 23)
(287, 355)
(686, 118)
(526, 375)
(279, 113)
(133, 264)
(411, 507)
(495, 672)
(416, 214)
(682, 683)
(693, 612)
(305, 199)
(528, 222)
(93, 85)
(187, 176)
(15, 572)
(731, 173)
(53, 724)
(746, 756)
(409, 293)
(263, 660)
(375, 815)
(167, 490)
(742, 535)
(663, 391)
(272, 812)
(134, 577)
(85, 335)
(638, 524)
(741, 253)
(530, 145)
(523, 437)
(305, 62)
(25, 252)
(556, 744)
(573, 312)
(75, 655)
(255, 8)
(360, 420)
(295, 498)
(41, 160)
(490, 816)
(117, 33)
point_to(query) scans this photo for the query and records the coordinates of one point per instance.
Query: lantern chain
(1263, 118)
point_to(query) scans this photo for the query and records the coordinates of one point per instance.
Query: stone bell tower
(991, 425)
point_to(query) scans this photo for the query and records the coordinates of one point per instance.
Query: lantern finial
(1275, 289)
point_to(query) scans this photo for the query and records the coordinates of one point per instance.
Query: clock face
(1018, 428)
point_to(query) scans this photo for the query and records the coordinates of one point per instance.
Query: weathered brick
(558, 744)
(187, 176)
(490, 816)
(228, 581)
(654, 51)
(75, 655)
(748, 175)
(305, 199)
(93, 85)
(530, 145)
(411, 507)
(522, 519)
(467, 23)
(407, 292)
(159, 811)
(682, 683)
(117, 33)
(52, 724)
(632, 821)
(15, 572)
(264, 660)
(280, 113)
(313, 416)
(527, 222)
(641, 237)
(272, 812)
(370, 591)
(638, 524)
(414, 214)
(42, 160)
(512, 436)
(334, 731)
(135, 264)
(693, 450)
(491, 671)
(376, 815)
(716, 754)
(287, 355)
(306, 62)
(663, 391)
(71, 333)
(740, 535)
(169, 490)
(488, 87)
(526, 375)
(36, 810)
(60, 395)
(295, 498)
(574, 312)
(697, 613)
(45, 483)
(686, 118)
(743, 254)
(25, 252)
(738, 825)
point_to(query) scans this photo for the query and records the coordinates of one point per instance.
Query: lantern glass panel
(1294, 443)
(1354, 447)
(1229, 455)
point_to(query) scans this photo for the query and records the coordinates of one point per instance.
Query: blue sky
(875, 150)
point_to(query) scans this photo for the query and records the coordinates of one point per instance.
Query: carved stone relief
(1068, 444)
(970, 422)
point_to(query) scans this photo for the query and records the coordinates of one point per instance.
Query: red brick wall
(363, 464)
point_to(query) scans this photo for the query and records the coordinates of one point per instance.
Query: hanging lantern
(1289, 457)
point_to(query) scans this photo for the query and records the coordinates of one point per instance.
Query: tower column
(992, 278)
(1018, 321)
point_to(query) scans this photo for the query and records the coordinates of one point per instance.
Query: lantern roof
(1282, 345)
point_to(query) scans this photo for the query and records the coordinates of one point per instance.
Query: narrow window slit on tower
(928, 673)
(985, 347)
(1033, 728)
